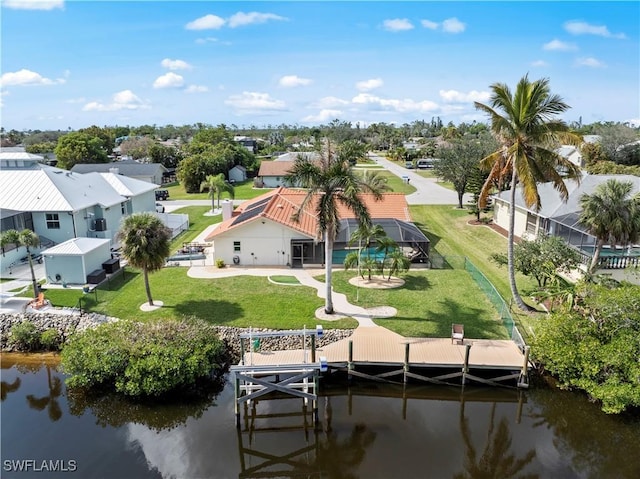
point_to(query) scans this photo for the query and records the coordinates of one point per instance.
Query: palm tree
(330, 183)
(385, 245)
(525, 125)
(28, 239)
(217, 184)
(398, 262)
(612, 215)
(145, 244)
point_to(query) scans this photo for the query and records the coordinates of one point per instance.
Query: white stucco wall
(273, 181)
(501, 217)
(144, 202)
(270, 244)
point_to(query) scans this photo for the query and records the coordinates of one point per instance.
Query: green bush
(25, 336)
(220, 263)
(50, 339)
(144, 358)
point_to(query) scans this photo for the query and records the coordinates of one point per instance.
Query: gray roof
(124, 185)
(127, 168)
(76, 246)
(552, 204)
(52, 189)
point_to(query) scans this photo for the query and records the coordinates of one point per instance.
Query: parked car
(408, 164)
(425, 164)
(162, 195)
(159, 208)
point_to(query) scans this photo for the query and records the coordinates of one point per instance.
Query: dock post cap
(323, 364)
(319, 330)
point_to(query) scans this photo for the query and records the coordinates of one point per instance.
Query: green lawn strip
(197, 223)
(242, 191)
(428, 303)
(284, 279)
(240, 301)
(431, 174)
(450, 234)
(395, 183)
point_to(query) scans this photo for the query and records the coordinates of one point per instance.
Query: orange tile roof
(275, 168)
(281, 204)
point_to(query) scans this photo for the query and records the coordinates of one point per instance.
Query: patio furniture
(457, 333)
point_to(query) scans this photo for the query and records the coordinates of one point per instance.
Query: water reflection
(368, 430)
(50, 402)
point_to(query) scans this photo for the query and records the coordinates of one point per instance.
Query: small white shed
(238, 173)
(70, 263)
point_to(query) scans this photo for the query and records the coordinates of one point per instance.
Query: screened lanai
(409, 238)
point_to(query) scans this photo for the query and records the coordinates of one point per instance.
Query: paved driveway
(429, 192)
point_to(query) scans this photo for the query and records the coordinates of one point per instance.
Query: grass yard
(394, 182)
(243, 191)
(237, 301)
(284, 279)
(197, 223)
(426, 306)
(431, 174)
(450, 234)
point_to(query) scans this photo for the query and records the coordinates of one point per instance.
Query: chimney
(227, 210)
(115, 171)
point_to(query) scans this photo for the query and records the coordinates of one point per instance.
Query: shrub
(25, 336)
(50, 339)
(220, 263)
(144, 358)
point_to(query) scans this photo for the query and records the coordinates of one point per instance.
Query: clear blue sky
(77, 63)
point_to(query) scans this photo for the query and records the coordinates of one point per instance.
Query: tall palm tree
(28, 239)
(612, 215)
(525, 125)
(330, 183)
(145, 244)
(217, 184)
(398, 262)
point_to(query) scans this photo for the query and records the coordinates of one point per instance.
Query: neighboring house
(571, 153)
(149, 172)
(250, 144)
(238, 174)
(272, 174)
(261, 232)
(558, 218)
(59, 205)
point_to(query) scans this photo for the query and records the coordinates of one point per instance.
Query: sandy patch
(377, 282)
(156, 305)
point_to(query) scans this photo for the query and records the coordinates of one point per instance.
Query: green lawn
(426, 306)
(237, 301)
(242, 191)
(450, 234)
(394, 182)
(197, 223)
(431, 174)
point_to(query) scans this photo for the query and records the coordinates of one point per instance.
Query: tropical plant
(145, 244)
(612, 215)
(330, 183)
(385, 245)
(524, 123)
(217, 184)
(28, 239)
(397, 262)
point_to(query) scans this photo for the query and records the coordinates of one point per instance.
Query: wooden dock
(382, 348)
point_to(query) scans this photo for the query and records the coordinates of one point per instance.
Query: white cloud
(590, 62)
(26, 77)
(175, 64)
(250, 100)
(633, 122)
(33, 4)
(583, 28)
(539, 63)
(123, 100)
(429, 24)
(556, 44)
(322, 116)
(290, 81)
(241, 19)
(208, 22)
(368, 85)
(453, 25)
(397, 25)
(76, 100)
(404, 105)
(329, 102)
(169, 80)
(455, 96)
(196, 89)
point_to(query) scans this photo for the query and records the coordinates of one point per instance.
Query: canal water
(366, 431)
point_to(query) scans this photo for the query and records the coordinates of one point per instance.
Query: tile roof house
(272, 173)
(149, 172)
(558, 218)
(59, 205)
(262, 232)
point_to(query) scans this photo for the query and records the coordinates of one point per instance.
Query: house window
(53, 221)
(123, 208)
(531, 223)
(236, 246)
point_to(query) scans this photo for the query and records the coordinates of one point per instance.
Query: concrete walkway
(342, 307)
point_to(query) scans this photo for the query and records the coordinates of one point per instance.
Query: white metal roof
(125, 185)
(52, 189)
(75, 247)
(18, 155)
